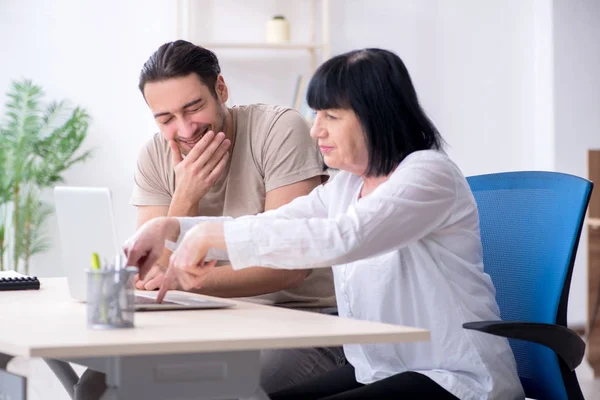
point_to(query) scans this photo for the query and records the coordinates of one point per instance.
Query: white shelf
(262, 46)
(317, 48)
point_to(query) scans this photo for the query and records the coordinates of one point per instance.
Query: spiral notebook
(11, 280)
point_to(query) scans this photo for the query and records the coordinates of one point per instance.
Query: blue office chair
(530, 227)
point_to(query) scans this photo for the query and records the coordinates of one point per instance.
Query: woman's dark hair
(375, 84)
(181, 58)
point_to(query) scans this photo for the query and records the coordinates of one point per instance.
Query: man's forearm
(224, 281)
(181, 207)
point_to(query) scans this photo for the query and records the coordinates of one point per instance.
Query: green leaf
(38, 143)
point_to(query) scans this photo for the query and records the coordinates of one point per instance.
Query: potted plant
(38, 143)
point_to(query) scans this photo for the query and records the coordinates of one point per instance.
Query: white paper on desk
(11, 274)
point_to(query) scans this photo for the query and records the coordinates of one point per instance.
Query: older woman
(398, 224)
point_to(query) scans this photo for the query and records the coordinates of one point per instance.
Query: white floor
(43, 385)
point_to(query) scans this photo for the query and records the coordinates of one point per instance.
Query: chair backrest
(530, 227)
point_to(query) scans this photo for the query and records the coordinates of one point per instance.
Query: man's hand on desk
(145, 247)
(152, 280)
(187, 266)
(177, 279)
(193, 249)
(156, 276)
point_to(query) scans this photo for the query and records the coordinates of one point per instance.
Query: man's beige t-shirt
(271, 148)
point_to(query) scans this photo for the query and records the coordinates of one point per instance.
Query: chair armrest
(563, 341)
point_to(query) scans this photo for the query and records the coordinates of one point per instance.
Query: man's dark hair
(181, 58)
(375, 84)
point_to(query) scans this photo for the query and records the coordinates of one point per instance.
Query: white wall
(483, 70)
(473, 64)
(89, 52)
(577, 106)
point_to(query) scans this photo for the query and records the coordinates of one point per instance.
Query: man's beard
(199, 133)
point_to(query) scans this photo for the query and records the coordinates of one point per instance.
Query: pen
(97, 266)
(118, 261)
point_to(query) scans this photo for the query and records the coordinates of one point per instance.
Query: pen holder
(111, 298)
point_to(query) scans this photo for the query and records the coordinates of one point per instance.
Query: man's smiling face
(185, 108)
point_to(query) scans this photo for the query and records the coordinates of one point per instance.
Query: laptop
(86, 225)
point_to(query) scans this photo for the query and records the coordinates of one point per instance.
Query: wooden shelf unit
(593, 290)
(314, 47)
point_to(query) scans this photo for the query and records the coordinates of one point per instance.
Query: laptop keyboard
(149, 300)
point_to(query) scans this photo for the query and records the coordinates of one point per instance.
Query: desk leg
(229, 375)
(4, 360)
(65, 374)
(110, 394)
(113, 378)
(259, 395)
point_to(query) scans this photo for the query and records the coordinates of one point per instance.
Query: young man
(211, 160)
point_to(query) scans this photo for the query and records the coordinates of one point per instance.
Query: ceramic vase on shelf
(278, 30)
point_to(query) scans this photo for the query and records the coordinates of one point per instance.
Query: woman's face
(341, 140)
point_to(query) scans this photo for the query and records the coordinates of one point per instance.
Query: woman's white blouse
(409, 253)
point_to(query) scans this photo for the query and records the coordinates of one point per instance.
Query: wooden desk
(174, 354)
